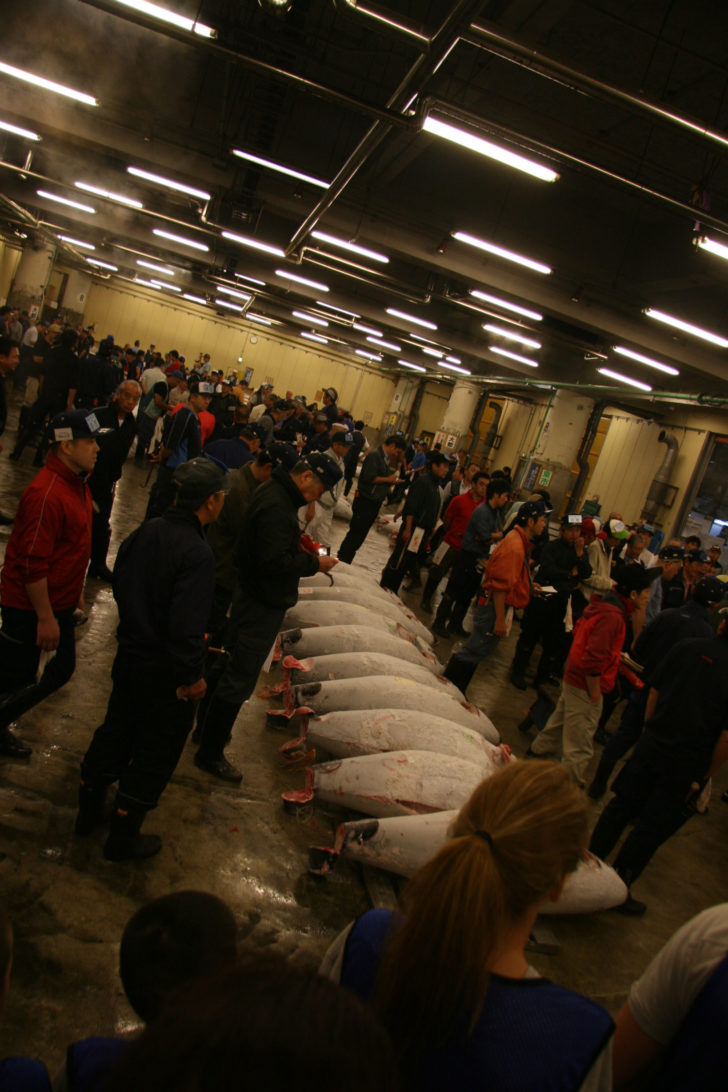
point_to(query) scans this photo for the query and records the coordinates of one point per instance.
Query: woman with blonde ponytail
(449, 976)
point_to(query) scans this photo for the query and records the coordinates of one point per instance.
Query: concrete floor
(69, 905)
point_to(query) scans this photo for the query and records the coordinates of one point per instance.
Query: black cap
(436, 458)
(196, 480)
(341, 436)
(631, 578)
(282, 405)
(709, 590)
(254, 432)
(530, 510)
(572, 519)
(75, 425)
(324, 467)
(671, 553)
(321, 419)
(696, 555)
(282, 455)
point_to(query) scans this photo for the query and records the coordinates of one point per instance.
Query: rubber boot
(460, 673)
(600, 783)
(430, 589)
(442, 616)
(125, 843)
(455, 625)
(518, 668)
(90, 808)
(216, 731)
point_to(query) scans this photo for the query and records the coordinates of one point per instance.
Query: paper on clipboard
(416, 540)
(440, 553)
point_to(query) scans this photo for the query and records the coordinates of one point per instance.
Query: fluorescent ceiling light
(166, 16)
(255, 244)
(271, 166)
(309, 318)
(506, 304)
(169, 183)
(385, 344)
(76, 242)
(47, 85)
(687, 327)
(315, 337)
(511, 335)
(366, 329)
(713, 247)
(646, 360)
(513, 356)
(17, 131)
(418, 337)
(194, 299)
(148, 284)
(65, 201)
(624, 379)
(487, 148)
(453, 360)
(166, 284)
(411, 318)
(387, 20)
(362, 251)
(231, 292)
(259, 318)
(163, 269)
(231, 306)
(368, 356)
(453, 368)
(251, 280)
(131, 202)
(103, 265)
(432, 352)
(500, 252)
(341, 310)
(181, 240)
(414, 367)
(301, 280)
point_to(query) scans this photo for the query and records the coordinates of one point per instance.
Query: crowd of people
(246, 483)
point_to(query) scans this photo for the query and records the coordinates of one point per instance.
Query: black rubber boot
(125, 843)
(455, 625)
(90, 808)
(518, 668)
(442, 617)
(216, 730)
(460, 673)
(600, 783)
(430, 589)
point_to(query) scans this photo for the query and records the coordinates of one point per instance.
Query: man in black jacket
(269, 562)
(114, 447)
(164, 579)
(378, 472)
(8, 363)
(419, 517)
(60, 385)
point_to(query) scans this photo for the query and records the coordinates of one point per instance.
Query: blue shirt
(481, 526)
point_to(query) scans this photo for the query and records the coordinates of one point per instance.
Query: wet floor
(69, 905)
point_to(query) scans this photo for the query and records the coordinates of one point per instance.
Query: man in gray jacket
(377, 474)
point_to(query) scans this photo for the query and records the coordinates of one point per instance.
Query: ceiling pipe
(660, 485)
(444, 39)
(509, 49)
(385, 22)
(582, 455)
(505, 385)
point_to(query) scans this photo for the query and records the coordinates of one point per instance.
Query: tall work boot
(518, 668)
(90, 808)
(216, 731)
(600, 783)
(460, 673)
(125, 843)
(455, 625)
(430, 589)
(442, 616)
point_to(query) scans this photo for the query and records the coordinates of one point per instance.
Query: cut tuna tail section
(294, 799)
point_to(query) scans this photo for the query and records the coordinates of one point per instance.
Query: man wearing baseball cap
(269, 562)
(44, 571)
(600, 553)
(181, 441)
(164, 578)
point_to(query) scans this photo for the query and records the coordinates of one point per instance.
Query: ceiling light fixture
(713, 247)
(486, 147)
(362, 251)
(76, 242)
(500, 252)
(231, 306)
(17, 131)
(309, 318)
(513, 356)
(255, 244)
(510, 335)
(131, 202)
(624, 379)
(147, 284)
(232, 292)
(432, 352)
(453, 360)
(315, 337)
(65, 201)
(366, 329)
(194, 299)
(169, 183)
(411, 318)
(506, 304)
(251, 280)
(271, 166)
(418, 337)
(47, 85)
(667, 368)
(341, 310)
(166, 284)
(164, 270)
(103, 265)
(181, 240)
(414, 367)
(453, 368)
(687, 327)
(368, 356)
(301, 280)
(259, 318)
(166, 16)
(385, 344)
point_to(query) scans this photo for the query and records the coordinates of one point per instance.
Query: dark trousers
(143, 734)
(650, 793)
(629, 731)
(401, 562)
(19, 658)
(100, 526)
(161, 494)
(365, 512)
(542, 624)
(464, 579)
(46, 406)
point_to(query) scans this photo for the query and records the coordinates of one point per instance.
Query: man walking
(456, 518)
(378, 472)
(419, 517)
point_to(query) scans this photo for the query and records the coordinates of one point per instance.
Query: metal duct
(492, 432)
(661, 481)
(582, 456)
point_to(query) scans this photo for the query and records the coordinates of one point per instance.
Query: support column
(458, 417)
(75, 296)
(32, 276)
(551, 461)
(400, 407)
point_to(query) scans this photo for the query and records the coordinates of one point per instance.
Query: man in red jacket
(591, 670)
(456, 517)
(44, 571)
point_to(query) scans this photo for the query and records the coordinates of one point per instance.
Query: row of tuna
(408, 748)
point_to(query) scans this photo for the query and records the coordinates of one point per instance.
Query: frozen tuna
(327, 640)
(357, 665)
(307, 614)
(392, 608)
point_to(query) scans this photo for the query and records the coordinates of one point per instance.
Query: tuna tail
(290, 637)
(290, 663)
(295, 799)
(294, 752)
(277, 653)
(322, 859)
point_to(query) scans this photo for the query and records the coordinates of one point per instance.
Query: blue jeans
(482, 640)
